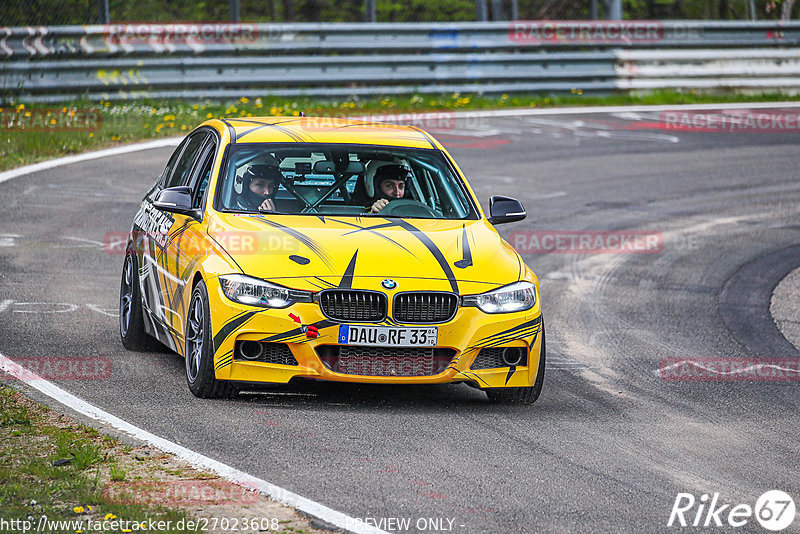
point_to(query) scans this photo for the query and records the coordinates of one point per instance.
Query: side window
(180, 172)
(203, 174)
(172, 160)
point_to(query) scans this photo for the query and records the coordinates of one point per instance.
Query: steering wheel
(408, 208)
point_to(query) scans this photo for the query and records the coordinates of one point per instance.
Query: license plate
(388, 336)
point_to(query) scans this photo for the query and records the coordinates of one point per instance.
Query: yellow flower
(78, 509)
(259, 105)
(172, 125)
(52, 121)
(63, 110)
(183, 126)
(20, 107)
(504, 96)
(209, 116)
(91, 135)
(195, 106)
(107, 104)
(88, 507)
(27, 113)
(110, 516)
(244, 100)
(126, 530)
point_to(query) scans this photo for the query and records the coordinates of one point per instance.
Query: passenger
(259, 186)
(389, 184)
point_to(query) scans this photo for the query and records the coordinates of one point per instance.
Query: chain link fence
(80, 12)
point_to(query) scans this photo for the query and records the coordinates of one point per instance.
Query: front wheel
(199, 349)
(524, 395)
(131, 318)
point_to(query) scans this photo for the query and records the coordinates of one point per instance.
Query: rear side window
(203, 174)
(179, 173)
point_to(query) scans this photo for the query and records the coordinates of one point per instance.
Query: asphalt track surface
(609, 444)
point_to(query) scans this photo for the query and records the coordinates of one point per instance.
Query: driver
(389, 184)
(259, 185)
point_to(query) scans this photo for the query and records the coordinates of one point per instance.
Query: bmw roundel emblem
(389, 284)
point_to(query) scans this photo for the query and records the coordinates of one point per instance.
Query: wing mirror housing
(176, 200)
(505, 210)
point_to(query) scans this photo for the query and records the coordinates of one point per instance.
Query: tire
(199, 350)
(131, 314)
(524, 396)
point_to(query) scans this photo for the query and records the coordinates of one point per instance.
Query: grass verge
(79, 481)
(30, 133)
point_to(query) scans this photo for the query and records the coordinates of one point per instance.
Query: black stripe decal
(419, 234)
(224, 361)
(315, 247)
(231, 131)
(347, 278)
(229, 327)
(510, 372)
(513, 330)
(467, 257)
(371, 229)
(283, 336)
(324, 281)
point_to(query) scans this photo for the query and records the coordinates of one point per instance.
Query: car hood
(336, 251)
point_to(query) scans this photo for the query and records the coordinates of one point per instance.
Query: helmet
(250, 200)
(390, 172)
(266, 172)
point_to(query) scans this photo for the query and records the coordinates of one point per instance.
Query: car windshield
(324, 179)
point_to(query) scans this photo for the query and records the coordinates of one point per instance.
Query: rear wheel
(131, 318)
(524, 395)
(199, 349)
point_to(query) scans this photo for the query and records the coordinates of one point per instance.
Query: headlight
(519, 296)
(256, 292)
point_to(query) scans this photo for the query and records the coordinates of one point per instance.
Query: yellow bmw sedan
(278, 249)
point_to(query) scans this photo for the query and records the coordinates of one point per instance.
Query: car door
(156, 274)
(185, 244)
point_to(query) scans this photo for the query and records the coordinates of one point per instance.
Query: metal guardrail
(761, 68)
(229, 60)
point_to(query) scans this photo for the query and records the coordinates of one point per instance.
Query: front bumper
(465, 335)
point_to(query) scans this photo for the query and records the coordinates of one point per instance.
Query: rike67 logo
(774, 510)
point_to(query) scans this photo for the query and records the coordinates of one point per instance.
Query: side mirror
(505, 210)
(176, 200)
